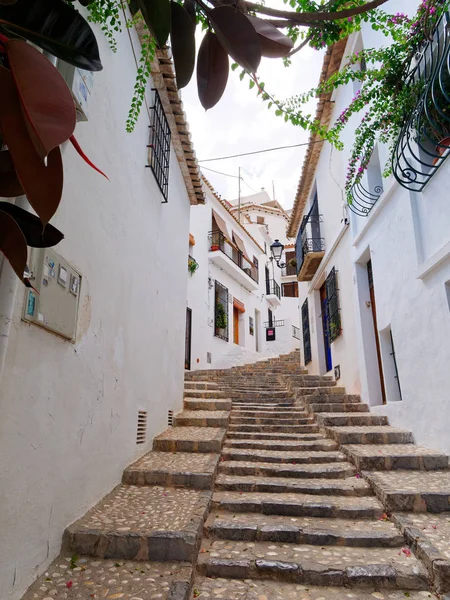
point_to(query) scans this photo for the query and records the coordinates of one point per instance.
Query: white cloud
(241, 122)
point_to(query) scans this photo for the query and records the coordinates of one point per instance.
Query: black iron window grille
(159, 145)
(221, 311)
(272, 288)
(424, 141)
(364, 200)
(333, 312)
(309, 238)
(296, 332)
(306, 332)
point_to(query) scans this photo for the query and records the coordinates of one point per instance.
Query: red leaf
(237, 35)
(42, 184)
(273, 43)
(46, 100)
(13, 244)
(212, 70)
(77, 147)
(9, 182)
(69, 584)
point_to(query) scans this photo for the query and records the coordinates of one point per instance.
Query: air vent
(170, 418)
(141, 435)
(208, 358)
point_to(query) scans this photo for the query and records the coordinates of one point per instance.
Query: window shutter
(306, 332)
(333, 314)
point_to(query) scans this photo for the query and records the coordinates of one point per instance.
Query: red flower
(69, 584)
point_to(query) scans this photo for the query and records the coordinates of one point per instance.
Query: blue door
(326, 339)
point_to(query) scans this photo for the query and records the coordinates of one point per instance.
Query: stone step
(382, 434)
(205, 394)
(201, 418)
(267, 406)
(233, 589)
(190, 439)
(310, 442)
(415, 491)
(179, 469)
(313, 382)
(319, 391)
(282, 457)
(274, 420)
(282, 414)
(348, 420)
(97, 578)
(206, 404)
(252, 527)
(390, 457)
(262, 397)
(285, 485)
(251, 399)
(142, 523)
(344, 506)
(384, 568)
(302, 378)
(200, 385)
(274, 435)
(328, 399)
(297, 471)
(338, 407)
(312, 428)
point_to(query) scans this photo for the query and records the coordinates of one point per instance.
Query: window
(221, 311)
(306, 332)
(270, 317)
(265, 248)
(260, 220)
(291, 266)
(159, 145)
(251, 326)
(290, 290)
(333, 313)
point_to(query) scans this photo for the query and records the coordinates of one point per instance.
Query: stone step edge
(437, 565)
(383, 575)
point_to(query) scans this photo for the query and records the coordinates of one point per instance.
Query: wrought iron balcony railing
(279, 323)
(272, 288)
(217, 241)
(424, 141)
(308, 248)
(296, 333)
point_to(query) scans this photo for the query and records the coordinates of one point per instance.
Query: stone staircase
(272, 485)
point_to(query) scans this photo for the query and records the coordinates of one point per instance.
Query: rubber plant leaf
(78, 148)
(212, 70)
(273, 43)
(31, 227)
(156, 14)
(54, 26)
(189, 7)
(182, 36)
(46, 100)
(10, 186)
(42, 183)
(13, 244)
(237, 35)
(8, 2)
(133, 6)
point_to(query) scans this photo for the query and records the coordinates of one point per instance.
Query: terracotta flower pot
(441, 148)
(214, 247)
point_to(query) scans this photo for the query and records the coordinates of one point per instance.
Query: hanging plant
(293, 263)
(192, 265)
(221, 317)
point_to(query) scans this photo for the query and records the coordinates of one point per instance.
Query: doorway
(235, 325)
(375, 329)
(325, 328)
(188, 340)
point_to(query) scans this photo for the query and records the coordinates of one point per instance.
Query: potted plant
(192, 265)
(293, 263)
(221, 317)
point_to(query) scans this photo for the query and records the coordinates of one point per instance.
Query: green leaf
(182, 37)
(54, 26)
(234, 66)
(212, 70)
(156, 14)
(251, 84)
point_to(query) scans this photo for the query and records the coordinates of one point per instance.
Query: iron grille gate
(221, 314)
(159, 145)
(306, 332)
(334, 317)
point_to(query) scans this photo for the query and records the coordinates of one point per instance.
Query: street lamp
(277, 250)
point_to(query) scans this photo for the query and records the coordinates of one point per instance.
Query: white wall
(68, 412)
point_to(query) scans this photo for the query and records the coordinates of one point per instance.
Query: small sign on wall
(270, 334)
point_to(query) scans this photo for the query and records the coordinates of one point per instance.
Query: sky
(241, 122)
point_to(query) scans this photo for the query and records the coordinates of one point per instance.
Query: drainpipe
(8, 289)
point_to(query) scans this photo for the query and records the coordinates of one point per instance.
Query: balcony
(231, 260)
(310, 246)
(273, 293)
(424, 140)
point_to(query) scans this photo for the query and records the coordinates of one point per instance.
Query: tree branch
(307, 18)
(302, 45)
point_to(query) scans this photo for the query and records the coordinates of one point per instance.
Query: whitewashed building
(101, 349)
(235, 311)
(375, 277)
